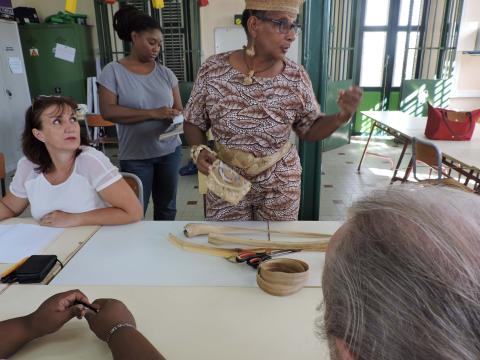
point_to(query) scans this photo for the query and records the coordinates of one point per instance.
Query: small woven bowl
(282, 277)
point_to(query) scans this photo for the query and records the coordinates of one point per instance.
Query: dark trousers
(160, 179)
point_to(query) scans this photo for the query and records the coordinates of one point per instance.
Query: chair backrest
(96, 120)
(427, 153)
(3, 173)
(135, 183)
(96, 133)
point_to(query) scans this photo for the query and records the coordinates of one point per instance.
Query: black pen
(79, 302)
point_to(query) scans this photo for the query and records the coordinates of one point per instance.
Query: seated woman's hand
(111, 313)
(204, 161)
(60, 218)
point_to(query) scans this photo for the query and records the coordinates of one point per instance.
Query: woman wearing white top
(66, 183)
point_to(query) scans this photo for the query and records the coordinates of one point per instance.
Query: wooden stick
(195, 229)
(219, 239)
(202, 249)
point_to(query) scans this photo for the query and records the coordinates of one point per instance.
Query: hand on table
(59, 218)
(349, 100)
(111, 312)
(204, 161)
(54, 312)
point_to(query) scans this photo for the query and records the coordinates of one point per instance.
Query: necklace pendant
(248, 79)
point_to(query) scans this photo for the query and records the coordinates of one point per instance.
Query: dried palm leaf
(219, 239)
(196, 229)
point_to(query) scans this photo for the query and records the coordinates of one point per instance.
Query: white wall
(467, 78)
(49, 7)
(219, 13)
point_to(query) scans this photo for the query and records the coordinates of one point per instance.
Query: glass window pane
(376, 12)
(373, 56)
(400, 55)
(404, 12)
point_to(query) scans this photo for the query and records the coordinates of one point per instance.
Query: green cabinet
(49, 75)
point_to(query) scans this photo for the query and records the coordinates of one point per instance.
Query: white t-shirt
(92, 173)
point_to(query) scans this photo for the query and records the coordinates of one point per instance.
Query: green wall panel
(370, 101)
(416, 94)
(394, 102)
(48, 75)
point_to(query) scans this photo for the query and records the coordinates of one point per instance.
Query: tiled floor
(341, 183)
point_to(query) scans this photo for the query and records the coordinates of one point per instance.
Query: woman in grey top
(141, 97)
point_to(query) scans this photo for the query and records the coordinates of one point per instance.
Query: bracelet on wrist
(197, 149)
(114, 329)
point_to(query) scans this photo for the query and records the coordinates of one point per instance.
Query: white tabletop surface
(466, 152)
(65, 246)
(397, 120)
(185, 323)
(140, 254)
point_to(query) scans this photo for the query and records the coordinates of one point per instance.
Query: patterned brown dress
(255, 118)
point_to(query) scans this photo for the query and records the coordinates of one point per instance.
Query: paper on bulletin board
(64, 52)
(15, 65)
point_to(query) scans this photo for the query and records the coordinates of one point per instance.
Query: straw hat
(292, 6)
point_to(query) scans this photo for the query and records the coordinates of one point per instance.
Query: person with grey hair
(402, 277)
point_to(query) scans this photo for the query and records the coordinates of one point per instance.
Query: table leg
(366, 146)
(406, 142)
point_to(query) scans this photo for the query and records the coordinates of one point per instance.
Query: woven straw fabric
(292, 6)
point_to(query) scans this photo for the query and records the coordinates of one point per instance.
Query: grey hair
(403, 281)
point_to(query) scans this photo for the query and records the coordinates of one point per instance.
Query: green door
(342, 135)
(408, 50)
(342, 36)
(382, 41)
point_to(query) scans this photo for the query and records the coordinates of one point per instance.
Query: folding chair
(135, 183)
(429, 154)
(96, 131)
(3, 174)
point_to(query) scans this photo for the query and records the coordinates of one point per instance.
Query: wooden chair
(3, 174)
(135, 183)
(96, 131)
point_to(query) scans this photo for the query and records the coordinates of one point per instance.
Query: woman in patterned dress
(251, 99)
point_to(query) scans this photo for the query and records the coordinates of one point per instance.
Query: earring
(250, 51)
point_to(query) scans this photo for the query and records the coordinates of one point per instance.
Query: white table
(463, 156)
(186, 323)
(64, 247)
(140, 254)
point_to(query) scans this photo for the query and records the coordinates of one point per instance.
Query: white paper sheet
(64, 52)
(22, 240)
(178, 119)
(15, 65)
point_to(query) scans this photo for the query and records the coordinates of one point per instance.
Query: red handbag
(445, 124)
